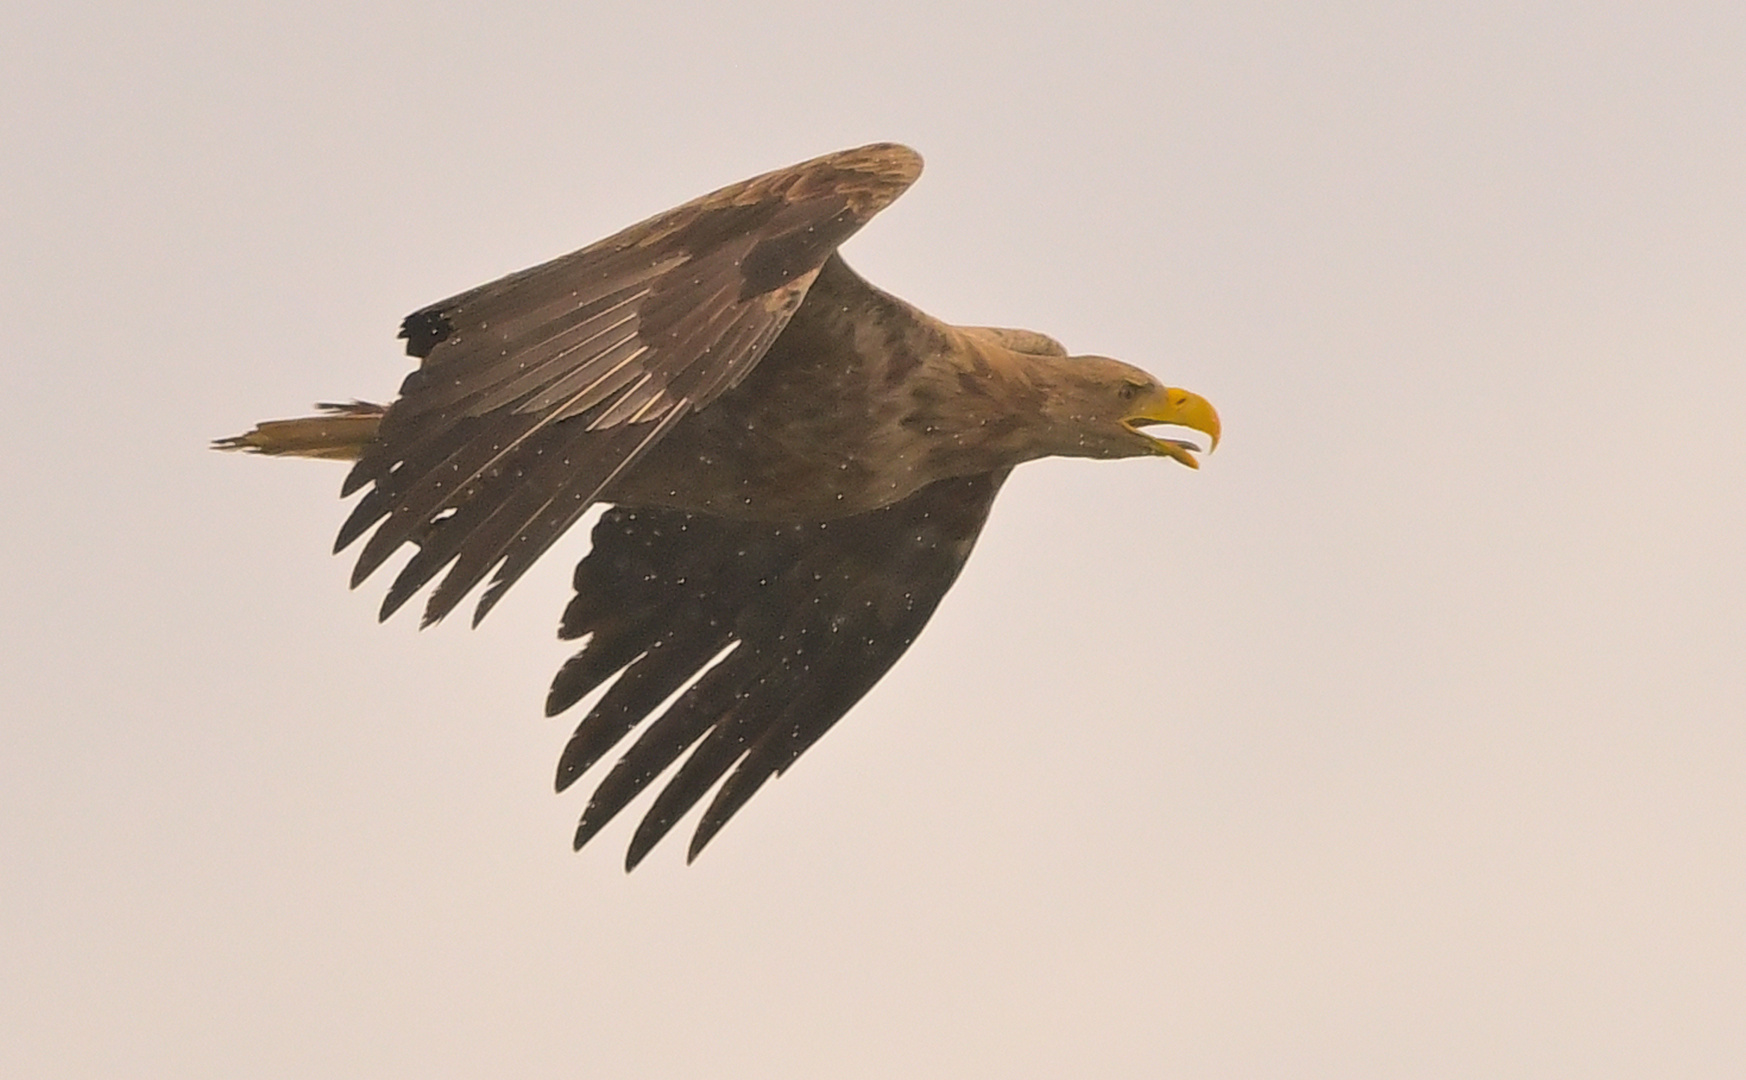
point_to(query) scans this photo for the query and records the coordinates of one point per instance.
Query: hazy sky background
(1405, 739)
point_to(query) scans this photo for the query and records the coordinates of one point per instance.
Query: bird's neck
(995, 407)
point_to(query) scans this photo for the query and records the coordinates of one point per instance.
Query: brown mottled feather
(635, 330)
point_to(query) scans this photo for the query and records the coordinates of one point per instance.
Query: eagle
(795, 466)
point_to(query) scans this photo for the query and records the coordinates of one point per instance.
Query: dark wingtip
(356, 524)
(358, 477)
(390, 604)
(447, 595)
(654, 827)
(572, 763)
(489, 601)
(633, 857)
(706, 831)
(588, 828)
(398, 594)
(438, 607)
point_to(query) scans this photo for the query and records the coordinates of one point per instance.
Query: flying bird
(797, 465)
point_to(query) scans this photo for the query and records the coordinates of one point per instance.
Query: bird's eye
(1130, 390)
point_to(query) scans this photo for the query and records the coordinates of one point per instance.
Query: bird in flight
(797, 465)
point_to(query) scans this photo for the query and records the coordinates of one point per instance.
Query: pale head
(1096, 407)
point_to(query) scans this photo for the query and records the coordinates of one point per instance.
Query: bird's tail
(340, 433)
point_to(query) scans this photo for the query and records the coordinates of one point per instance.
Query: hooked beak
(1183, 409)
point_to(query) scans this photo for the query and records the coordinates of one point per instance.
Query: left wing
(814, 615)
(537, 390)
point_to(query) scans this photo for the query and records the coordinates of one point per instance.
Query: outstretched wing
(537, 389)
(814, 615)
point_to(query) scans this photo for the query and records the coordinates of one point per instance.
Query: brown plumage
(799, 464)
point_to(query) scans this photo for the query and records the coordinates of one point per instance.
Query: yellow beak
(1183, 409)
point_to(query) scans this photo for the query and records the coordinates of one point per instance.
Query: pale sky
(1405, 739)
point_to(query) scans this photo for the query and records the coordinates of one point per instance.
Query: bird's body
(856, 406)
(799, 464)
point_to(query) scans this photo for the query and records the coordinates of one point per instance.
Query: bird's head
(1098, 407)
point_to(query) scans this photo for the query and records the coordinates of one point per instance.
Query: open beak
(1183, 409)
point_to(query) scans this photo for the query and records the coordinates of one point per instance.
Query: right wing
(815, 615)
(535, 391)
